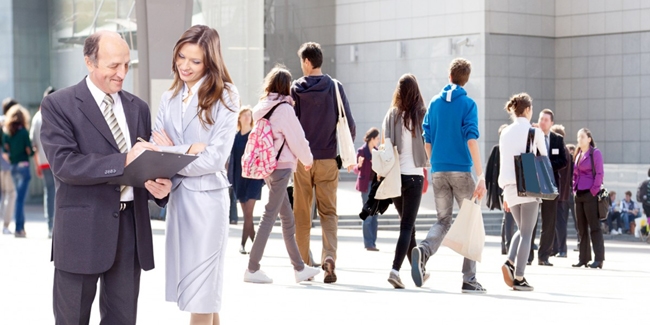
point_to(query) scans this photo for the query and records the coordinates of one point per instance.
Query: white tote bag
(346, 145)
(467, 235)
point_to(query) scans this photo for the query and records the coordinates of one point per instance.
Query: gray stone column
(160, 24)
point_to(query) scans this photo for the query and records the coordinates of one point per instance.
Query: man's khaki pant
(324, 176)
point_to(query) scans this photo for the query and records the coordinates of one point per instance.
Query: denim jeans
(614, 220)
(407, 207)
(21, 177)
(448, 186)
(626, 218)
(370, 225)
(48, 197)
(7, 196)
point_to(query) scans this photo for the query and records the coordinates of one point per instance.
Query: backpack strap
(267, 116)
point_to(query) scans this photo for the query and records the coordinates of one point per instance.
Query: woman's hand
(196, 148)
(506, 208)
(161, 138)
(360, 161)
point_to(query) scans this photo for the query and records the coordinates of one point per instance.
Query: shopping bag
(383, 158)
(391, 185)
(641, 223)
(534, 173)
(467, 234)
(343, 135)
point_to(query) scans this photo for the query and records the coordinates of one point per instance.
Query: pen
(142, 140)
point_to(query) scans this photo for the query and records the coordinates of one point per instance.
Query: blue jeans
(447, 187)
(370, 225)
(48, 197)
(626, 218)
(21, 177)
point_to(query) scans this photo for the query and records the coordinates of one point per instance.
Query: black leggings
(407, 207)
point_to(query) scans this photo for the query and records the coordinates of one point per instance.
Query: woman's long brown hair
(408, 102)
(216, 74)
(592, 143)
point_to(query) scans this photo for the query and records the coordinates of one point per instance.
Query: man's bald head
(107, 58)
(92, 43)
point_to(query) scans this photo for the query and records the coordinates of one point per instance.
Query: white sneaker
(613, 232)
(307, 273)
(6, 231)
(258, 277)
(620, 231)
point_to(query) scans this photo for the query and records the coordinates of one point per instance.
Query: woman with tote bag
(403, 125)
(512, 142)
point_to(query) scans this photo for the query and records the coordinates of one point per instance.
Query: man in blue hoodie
(317, 110)
(450, 135)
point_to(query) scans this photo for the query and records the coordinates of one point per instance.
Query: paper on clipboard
(151, 165)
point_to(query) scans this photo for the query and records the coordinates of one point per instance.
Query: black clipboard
(151, 165)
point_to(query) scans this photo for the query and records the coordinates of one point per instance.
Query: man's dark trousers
(119, 285)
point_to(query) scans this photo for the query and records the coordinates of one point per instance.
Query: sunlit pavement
(362, 295)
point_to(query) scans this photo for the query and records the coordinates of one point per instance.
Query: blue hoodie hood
(451, 121)
(451, 92)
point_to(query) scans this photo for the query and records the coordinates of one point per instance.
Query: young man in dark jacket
(317, 109)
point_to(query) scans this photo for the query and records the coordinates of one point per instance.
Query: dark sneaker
(522, 285)
(508, 271)
(418, 263)
(328, 267)
(473, 288)
(395, 280)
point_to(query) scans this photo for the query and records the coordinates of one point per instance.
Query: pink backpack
(260, 159)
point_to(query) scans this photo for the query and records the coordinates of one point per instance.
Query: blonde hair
(16, 117)
(244, 109)
(559, 129)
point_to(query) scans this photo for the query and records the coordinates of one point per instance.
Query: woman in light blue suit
(198, 115)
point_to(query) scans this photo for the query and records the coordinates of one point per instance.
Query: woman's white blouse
(513, 143)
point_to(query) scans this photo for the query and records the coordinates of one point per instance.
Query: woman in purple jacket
(586, 184)
(365, 175)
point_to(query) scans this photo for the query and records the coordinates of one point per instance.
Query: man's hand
(350, 168)
(159, 188)
(307, 168)
(138, 149)
(480, 190)
(39, 172)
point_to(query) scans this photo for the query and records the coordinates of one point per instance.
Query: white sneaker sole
(416, 267)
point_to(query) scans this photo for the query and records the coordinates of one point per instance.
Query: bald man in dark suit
(102, 231)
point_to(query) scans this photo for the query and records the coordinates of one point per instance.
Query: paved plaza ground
(562, 295)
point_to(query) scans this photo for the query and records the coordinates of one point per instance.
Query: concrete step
(491, 221)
